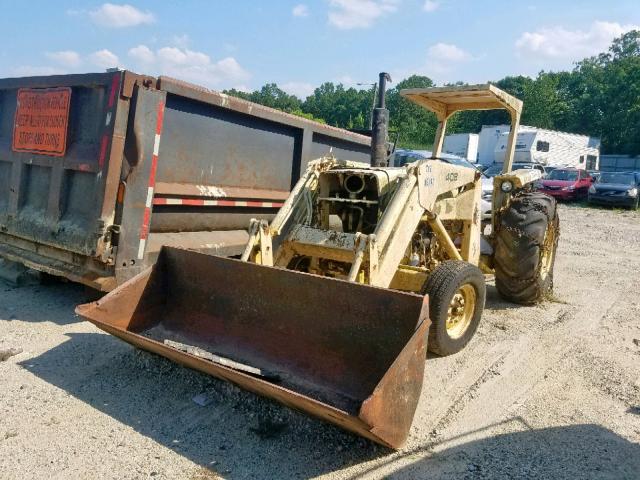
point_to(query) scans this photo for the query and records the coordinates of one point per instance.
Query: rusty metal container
(350, 354)
(97, 171)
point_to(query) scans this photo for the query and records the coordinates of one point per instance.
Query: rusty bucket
(347, 353)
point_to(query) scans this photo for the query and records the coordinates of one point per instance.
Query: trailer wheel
(525, 252)
(456, 292)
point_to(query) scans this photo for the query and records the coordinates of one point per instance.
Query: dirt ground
(551, 391)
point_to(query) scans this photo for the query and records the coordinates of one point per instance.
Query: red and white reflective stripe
(144, 230)
(115, 83)
(216, 203)
(104, 142)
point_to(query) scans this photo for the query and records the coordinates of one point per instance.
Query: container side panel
(341, 149)
(5, 185)
(54, 197)
(207, 145)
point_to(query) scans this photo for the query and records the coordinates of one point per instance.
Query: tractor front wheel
(456, 292)
(525, 250)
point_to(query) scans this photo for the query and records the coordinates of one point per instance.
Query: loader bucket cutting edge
(350, 354)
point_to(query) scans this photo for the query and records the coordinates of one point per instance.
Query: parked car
(566, 184)
(496, 169)
(595, 174)
(548, 170)
(617, 189)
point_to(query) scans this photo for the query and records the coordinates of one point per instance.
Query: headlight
(633, 192)
(506, 186)
(592, 189)
(570, 188)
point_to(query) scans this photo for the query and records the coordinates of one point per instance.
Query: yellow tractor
(334, 303)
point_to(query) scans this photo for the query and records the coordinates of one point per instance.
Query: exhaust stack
(380, 125)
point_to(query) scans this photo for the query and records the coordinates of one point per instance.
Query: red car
(566, 184)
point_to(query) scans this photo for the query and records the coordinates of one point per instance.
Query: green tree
(345, 108)
(414, 125)
(599, 97)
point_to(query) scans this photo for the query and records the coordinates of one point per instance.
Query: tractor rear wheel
(456, 292)
(525, 251)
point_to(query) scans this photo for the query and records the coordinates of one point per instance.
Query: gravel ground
(551, 391)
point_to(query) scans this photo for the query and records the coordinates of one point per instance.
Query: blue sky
(300, 44)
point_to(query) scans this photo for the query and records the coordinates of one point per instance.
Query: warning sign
(42, 117)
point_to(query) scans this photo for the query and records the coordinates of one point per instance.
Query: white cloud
(181, 41)
(142, 54)
(560, 43)
(443, 59)
(104, 58)
(177, 56)
(447, 52)
(119, 16)
(67, 58)
(242, 88)
(300, 10)
(190, 65)
(430, 6)
(350, 14)
(300, 89)
(30, 71)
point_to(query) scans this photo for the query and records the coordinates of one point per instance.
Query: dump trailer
(98, 171)
(333, 303)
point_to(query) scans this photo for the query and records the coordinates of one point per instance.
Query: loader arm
(428, 191)
(433, 191)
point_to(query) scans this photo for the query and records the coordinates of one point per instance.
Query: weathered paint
(361, 369)
(211, 147)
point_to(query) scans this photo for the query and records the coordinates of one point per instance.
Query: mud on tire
(526, 243)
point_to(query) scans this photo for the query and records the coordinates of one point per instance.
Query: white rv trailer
(552, 148)
(464, 145)
(488, 138)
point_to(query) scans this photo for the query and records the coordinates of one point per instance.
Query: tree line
(599, 97)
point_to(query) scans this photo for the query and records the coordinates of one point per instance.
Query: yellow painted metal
(443, 236)
(444, 101)
(546, 259)
(461, 309)
(409, 279)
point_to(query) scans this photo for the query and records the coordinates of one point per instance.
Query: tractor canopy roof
(444, 101)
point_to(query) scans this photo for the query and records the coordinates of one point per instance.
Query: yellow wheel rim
(461, 309)
(546, 256)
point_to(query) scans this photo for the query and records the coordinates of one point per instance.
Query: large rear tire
(457, 293)
(526, 243)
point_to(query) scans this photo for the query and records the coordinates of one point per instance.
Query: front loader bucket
(350, 354)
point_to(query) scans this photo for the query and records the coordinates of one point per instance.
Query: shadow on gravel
(241, 436)
(495, 302)
(575, 451)
(56, 301)
(238, 434)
